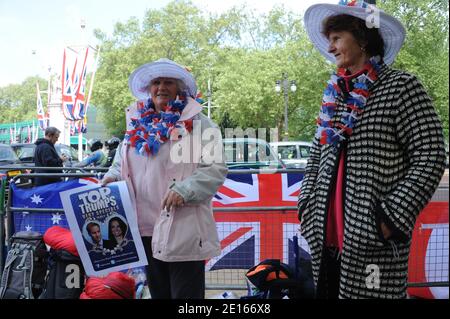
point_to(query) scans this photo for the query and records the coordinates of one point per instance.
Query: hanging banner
(104, 226)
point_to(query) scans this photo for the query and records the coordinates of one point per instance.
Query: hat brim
(391, 30)
(143, 75)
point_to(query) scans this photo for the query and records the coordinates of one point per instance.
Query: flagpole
(48, 86)
(91, 85)
(80, 133)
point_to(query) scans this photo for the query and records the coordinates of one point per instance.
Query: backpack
(25, 267)
(276, 280)
(65, 278)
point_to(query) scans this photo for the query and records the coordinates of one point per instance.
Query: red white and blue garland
(152, 128)
(356, 92)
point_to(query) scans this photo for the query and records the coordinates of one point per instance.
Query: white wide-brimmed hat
(391, 30)
(162, 68)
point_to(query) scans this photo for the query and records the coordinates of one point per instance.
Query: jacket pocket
(184, 235)
(160, 236)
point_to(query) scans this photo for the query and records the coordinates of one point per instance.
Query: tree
(179, 32)
(425, 52)
(245, 85)
(243, 54)
(18, 101)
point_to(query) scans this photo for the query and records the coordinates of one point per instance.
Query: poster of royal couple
(104, 227)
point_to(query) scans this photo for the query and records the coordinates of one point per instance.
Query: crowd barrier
(256, 218)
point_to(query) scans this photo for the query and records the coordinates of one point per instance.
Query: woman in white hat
(172, 174)
(377, 157)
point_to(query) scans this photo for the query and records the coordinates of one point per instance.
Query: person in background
(111, 145)
(172, 196)
(45, 155)
(377, 158)
(97, 157)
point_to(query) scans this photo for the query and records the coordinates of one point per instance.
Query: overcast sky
(45, 27)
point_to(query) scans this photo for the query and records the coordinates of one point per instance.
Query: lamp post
(284, 84)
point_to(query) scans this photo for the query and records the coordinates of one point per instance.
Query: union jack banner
(42, 117)
(79, 110)
(67, 89)
(73, 92)
(248, 237)
(78, 126)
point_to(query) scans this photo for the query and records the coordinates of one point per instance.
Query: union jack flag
(67, 89)
(42, 117)
(78, 126)
(246, 237)
(79, 110)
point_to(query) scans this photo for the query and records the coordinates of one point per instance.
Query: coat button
(168, 215)
(328, 170)
(334, 150)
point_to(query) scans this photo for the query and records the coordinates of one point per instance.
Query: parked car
(250, 153)
(294, 154)
(25, 152)
(10, 159)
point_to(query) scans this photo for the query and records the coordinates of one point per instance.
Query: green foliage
(243, 54)
(18, 101)
(425, 52)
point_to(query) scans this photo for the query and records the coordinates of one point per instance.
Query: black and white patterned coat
(395, 160)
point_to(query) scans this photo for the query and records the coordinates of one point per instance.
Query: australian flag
(46, 196)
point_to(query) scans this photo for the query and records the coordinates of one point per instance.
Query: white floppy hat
(162, 68)
(391, 30)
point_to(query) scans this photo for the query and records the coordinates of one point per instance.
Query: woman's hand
(172, 199)
(385, 230)
(107, 179)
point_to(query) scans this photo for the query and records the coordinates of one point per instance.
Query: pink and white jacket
(186, 233)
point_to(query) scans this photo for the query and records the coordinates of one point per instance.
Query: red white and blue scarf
(152, 129)
(355, 89)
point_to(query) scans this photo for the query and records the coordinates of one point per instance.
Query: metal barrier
(234, 278)
(2, 224)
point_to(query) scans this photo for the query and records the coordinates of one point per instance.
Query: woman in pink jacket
(172, 160)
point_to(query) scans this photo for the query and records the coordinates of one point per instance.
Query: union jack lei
(152, 129)
(330, 132)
